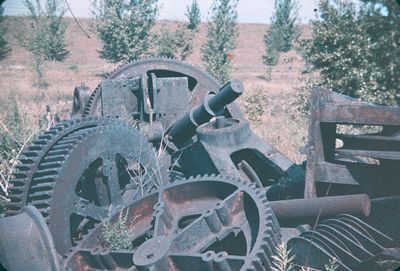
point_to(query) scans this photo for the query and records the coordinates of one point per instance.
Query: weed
(118, 236)
(255, 106)
(16, 131)
(332, 266)
(283, 261)
(73, 67)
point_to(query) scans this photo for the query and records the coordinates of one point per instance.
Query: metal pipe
(358, 204)
(213, 105)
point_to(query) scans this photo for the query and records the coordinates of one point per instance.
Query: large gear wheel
(200, 82)
(81, 171)
(204, 223)
(33, 155)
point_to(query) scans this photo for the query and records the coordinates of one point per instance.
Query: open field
(281, 125)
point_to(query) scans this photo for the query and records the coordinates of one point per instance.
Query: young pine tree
(45, 33)
(283, 31)
(56, 27)
(221, 39)
(4, 47)
(124, 28)
(193, 14)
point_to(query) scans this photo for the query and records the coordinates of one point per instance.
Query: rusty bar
(358, 204)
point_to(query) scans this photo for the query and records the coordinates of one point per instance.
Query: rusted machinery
(160, 153)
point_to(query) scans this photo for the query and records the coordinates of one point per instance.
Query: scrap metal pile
(161, 151)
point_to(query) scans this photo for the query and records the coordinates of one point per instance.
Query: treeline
(354, 49)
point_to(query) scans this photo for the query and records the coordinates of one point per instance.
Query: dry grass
(279, 123)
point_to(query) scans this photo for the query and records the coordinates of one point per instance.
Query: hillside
(280, 126)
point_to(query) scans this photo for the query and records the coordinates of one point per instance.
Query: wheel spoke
(110, 173)
(89, 210)
(211, 227)
(163, 219)
(200, 234)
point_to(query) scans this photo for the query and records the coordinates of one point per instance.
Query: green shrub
(193, 14)
(356, 49)
(176, 44)
(184, 42)
(124, 28)
(221, 39)
(255, 106)
(165, 43)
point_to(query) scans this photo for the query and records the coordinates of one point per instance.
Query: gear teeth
(45, 137)
(43, 187)
(41, 203)
(50, 132)
(35, 148)
(45, 172)
(22, 167)
(29, 154)
(42, 195)
(26, 160)
(43, 179)
(20, 175)
(66, 146)
(58, 152)
(16, 190)
(39, 142)
(49, 165)
(17, 182)
(36, 157)
(53, 159)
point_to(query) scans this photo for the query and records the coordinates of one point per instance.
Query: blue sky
(249, 11)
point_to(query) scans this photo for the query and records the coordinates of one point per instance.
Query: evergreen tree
(193, 14)
(283, 31)
(56, 27)
(45, 34)
(4, 47)
(124, 27)
(356, 49)
(221, 39)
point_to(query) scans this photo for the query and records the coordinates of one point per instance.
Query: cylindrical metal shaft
(226, 95)
(358, 204)
(213, 105)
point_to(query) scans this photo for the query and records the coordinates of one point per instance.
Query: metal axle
(358, 204)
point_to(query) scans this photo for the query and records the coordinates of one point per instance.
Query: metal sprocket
(204, 223)
(86, 173)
